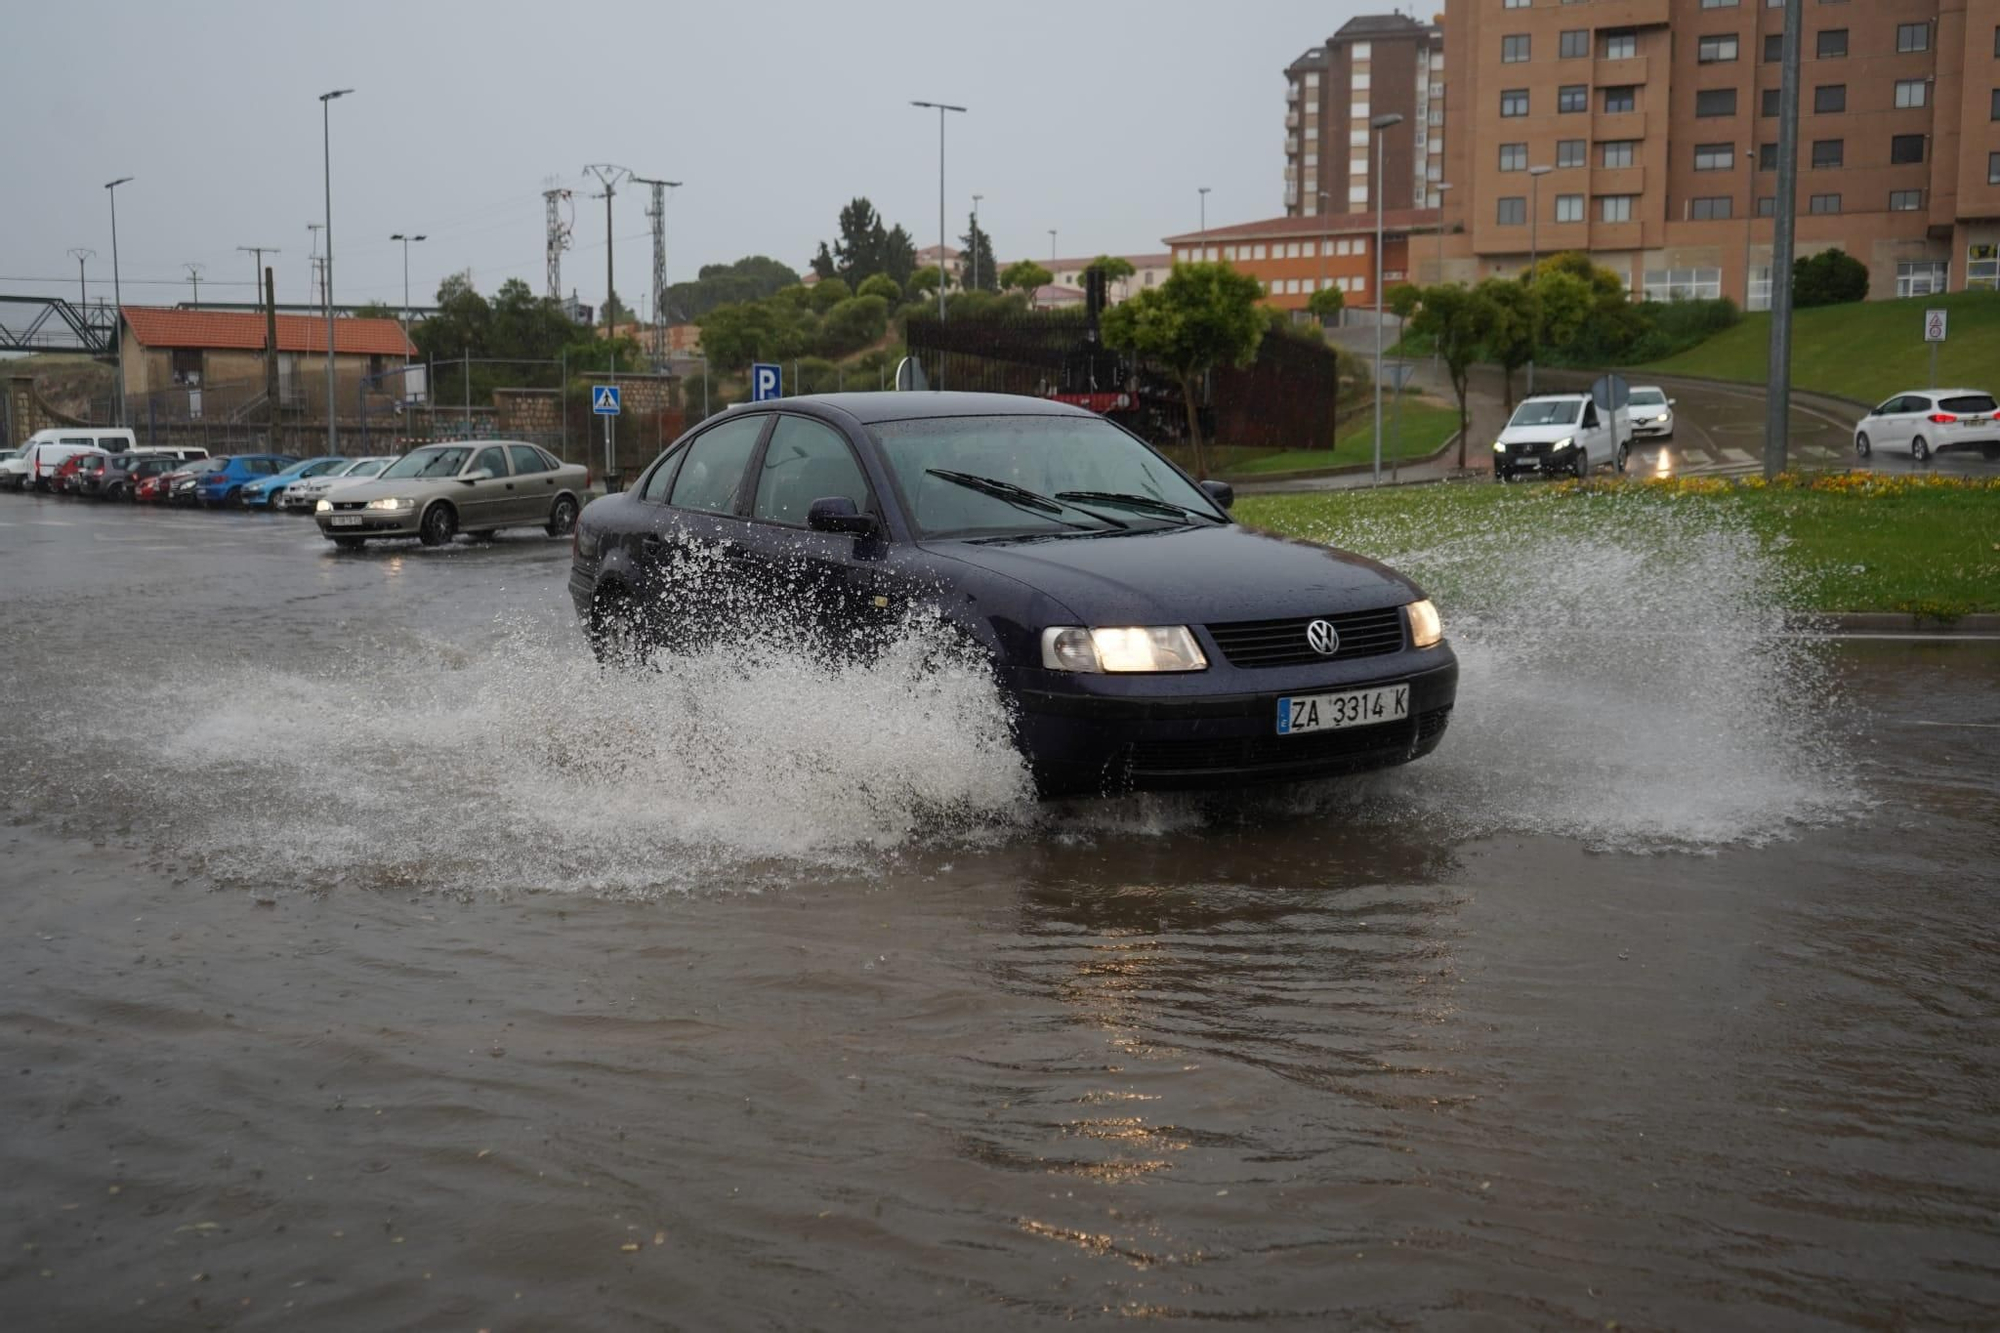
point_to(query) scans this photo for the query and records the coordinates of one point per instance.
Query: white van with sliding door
(47, 450)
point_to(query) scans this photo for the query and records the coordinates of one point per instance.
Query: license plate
(345, 520)
(1350, 708)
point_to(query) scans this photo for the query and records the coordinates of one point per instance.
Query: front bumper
(1650, 429)
(371, 522)
(1104, 734)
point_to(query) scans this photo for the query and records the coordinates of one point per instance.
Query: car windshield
(1099, 477)
(367, 467)
(1545, 412)
(1647, 398)
(443, 460)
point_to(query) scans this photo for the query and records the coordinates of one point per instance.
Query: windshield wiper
(1020, 496)
(1152, 504)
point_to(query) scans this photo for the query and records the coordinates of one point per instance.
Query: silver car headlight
(323, 507)
(1122, 649)
(1426, 626)
(1562, 444)
(391, 502)
(1499, 446)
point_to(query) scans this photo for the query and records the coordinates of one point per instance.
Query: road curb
(1344, 470)
(1903, 622)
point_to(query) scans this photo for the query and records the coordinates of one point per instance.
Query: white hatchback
(1652, 412)
(1929, 421)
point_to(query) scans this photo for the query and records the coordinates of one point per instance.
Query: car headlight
(1122, 649)
(391, 502)
(323, 507)
(1426, 627)
(1499, 446)
(1562, 444)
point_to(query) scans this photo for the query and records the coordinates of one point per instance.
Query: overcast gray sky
(1096, 117)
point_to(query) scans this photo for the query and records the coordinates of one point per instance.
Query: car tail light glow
(1942, 418)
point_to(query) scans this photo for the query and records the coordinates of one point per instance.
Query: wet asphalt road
(368, 960)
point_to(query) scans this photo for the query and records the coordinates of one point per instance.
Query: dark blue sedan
(1145, 639)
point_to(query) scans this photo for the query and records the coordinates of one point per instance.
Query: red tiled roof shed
(244, 331)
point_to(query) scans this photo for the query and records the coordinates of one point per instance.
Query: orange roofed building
(1295, 256)
(194, 350)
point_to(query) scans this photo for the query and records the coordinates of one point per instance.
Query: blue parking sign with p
(604, 399)
(766, 382)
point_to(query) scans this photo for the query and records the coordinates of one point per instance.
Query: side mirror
(837, 513)
(1221, 492)
(477, 474)
(1672, 401)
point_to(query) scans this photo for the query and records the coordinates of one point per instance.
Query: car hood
(417, 488)
(1538, 434)
(1187, 575)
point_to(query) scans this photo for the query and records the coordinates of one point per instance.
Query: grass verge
(1848, 542)
(1425, 426)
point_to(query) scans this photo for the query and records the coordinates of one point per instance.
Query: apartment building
(1295, 256)
(1373, 66)
(1645, 132)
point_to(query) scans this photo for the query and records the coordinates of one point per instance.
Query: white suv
(1928, 421)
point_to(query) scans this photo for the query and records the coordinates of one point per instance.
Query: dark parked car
(1145, 638)
(126, 472)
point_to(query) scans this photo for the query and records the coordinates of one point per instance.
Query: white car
(301, 496)
(14, 469)
(1929, 421)
(1652, 412)
(1561, 434)
(48, 450)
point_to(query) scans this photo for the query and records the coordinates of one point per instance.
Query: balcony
(1291, 120)
(1636, 69)
(1617, 235)
(1618, 180)
(1629, 14)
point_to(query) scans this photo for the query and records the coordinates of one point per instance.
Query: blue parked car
(261, 493)
(224, 485)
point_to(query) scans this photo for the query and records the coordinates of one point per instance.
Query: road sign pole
(1934, 365)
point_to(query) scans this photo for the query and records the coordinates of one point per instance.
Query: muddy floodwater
(370, 960)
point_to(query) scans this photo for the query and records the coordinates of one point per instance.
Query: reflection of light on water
(392, 567)
(1665, 466)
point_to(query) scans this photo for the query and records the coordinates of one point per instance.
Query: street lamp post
(1535, 175)
(1443, 188)
(117, 297)
(1052, 245)
(406, 239)
(1380, 125)
(326, 158)
(1202, 190)
(940, 108)
(79, 254)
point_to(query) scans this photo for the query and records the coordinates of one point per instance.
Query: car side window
(714, 467)
(805, 461)
(492, 458)
(1912, 403)
(527, 459)
(1590, 415)
(658, 479)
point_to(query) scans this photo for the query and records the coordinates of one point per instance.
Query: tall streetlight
(79, 254)
(975, 239)
(407, 241)
(326, 157)
(1443, 188)
(117, 297)
(1052, 245)
(1380, 125)
(1778, 391)
(1203, 190)
(1535, 175)
(940, 108)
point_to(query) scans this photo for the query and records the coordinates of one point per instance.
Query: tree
(1831, 277)
(616, 312)
(1610, 322)
(751, 278)
(978, 270)
(852, 325)
(858, 252)
(1528, 316)
(899, 255)
(1025, 276)
(1113, 267)
(828, 293)
(1457, 321)
(882, 285)
(923, 282)
(1326, 304)
(823, 263)
(1202, 316)
(377, 310)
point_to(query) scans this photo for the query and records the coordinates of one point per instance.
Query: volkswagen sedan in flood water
(1143, 638)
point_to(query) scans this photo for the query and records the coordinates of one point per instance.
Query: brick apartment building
(1658, 119)
(1295, 256)
(1373, 66)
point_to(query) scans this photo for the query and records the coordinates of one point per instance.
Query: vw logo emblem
(1323, 638)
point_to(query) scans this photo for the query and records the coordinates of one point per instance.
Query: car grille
(1275, 643)
(1314, 750)
(349, 504)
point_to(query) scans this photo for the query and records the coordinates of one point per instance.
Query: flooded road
(368, 959)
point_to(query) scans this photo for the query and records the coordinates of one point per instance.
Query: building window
(1616, 152)
(1573, 44)
(1570, 152)
(1824, 203)
(1982, 266)
(1358, 83)
(1513, 211)
(1718, 4)
(1993, 168)
(1513, 50)
(1922, 277)
(1913, 36)
(1714, 156)
(1709, 102)
(1767, 205)
(1569, 208)
(1829, 98)
(1614, 208)
(1572, 97)
(1621, 45)
(1710, 208)
(1259, 252)
(185, 365)
(1683, 284)
(1912, 92)
(1622, 98)
(1767, 157)
(1905, 201)
(1514, 102)
(1361, 50)
(1774, 48)
(1515, 4)
(1832, 43)
(1829, 152)
(1513, 157)
(1996, 104)
(1769, 106)
(1716, 50)
(1759, 295)
(1905, 149)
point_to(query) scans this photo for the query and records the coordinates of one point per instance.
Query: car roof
(911, 405)
(1552, 397)
(1939, 393)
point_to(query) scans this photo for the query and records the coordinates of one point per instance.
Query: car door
(823, 579)
(482, 504)
(534, 485)
(1903, 421)
(1590, 435)
(686, 553)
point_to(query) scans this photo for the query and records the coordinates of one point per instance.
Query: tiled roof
(1083, 262)
(1334, 224)
(244, 331)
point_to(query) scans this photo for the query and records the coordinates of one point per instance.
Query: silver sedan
(476, 487)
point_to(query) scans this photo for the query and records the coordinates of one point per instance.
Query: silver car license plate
(345, 521)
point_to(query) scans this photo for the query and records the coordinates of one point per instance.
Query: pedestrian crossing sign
(604, 400)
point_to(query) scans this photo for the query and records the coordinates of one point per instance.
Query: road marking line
(1983, 726)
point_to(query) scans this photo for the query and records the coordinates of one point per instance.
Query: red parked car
(159, 489)
(69, 476)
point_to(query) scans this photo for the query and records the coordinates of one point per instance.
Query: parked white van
(47, 450)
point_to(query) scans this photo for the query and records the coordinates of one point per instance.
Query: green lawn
(1865, 351)
(1426, 426)
(1922, 549)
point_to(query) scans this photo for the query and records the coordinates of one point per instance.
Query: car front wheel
(562, 516)
(1624, 453)
(440, 525)
(1861, 446)
(1920, 449)
(1583, 465)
